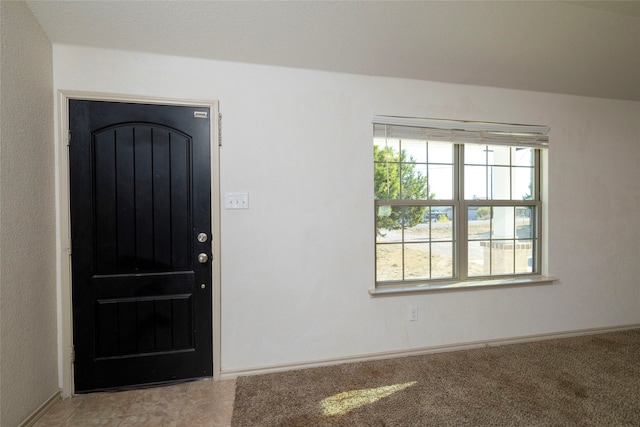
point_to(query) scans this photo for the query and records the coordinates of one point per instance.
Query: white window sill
(470, 284)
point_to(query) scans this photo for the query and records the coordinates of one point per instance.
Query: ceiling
(587, 48)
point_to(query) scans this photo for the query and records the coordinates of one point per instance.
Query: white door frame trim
(63, 232)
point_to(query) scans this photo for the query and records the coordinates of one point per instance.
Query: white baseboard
(232, 374)
(39, 413)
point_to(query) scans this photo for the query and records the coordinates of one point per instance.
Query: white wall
(28, 333)
(296, 266)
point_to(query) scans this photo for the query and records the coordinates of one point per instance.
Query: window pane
(416, 261)
(524, 222)
(479, 223)
(524, 256)
(410, 216)
(499, 155)
(522, 156)
(440, 152)
(478, 254)
(388, 225)
(441, 223)
(503, 222)
(386, 172)
(415, 151)
(388, 262)
(475, 154)
(522, 184)
(499, 183)
(475, 183)
(414, 184)
(416, 227)
(502, 253)
(442, 260)
(387, 181)
(441, 182)
(393, 145)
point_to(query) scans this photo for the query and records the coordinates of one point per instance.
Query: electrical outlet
(413, 313)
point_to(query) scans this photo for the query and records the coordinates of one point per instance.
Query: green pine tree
(396, 178)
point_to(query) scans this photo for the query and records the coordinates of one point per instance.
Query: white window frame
(460, 133)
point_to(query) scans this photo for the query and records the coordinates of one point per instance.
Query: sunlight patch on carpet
(341, 403)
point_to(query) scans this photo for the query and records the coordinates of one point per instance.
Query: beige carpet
(584, 381)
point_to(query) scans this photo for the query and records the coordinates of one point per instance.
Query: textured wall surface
(297, 265)
(28, 333)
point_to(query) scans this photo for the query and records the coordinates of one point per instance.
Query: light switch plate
(236, 201)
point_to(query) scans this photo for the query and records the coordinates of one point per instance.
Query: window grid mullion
(537, 253)
(403, 242)
(491, 216)
(511, 171)
(515, 239)
(426, 147)
(460, 237)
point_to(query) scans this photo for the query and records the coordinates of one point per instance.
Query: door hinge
(219, 129)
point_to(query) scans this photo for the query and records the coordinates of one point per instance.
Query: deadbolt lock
(202, 237)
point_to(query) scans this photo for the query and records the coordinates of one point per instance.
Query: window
(456, 203)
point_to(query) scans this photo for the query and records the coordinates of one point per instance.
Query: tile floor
(197, 403)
